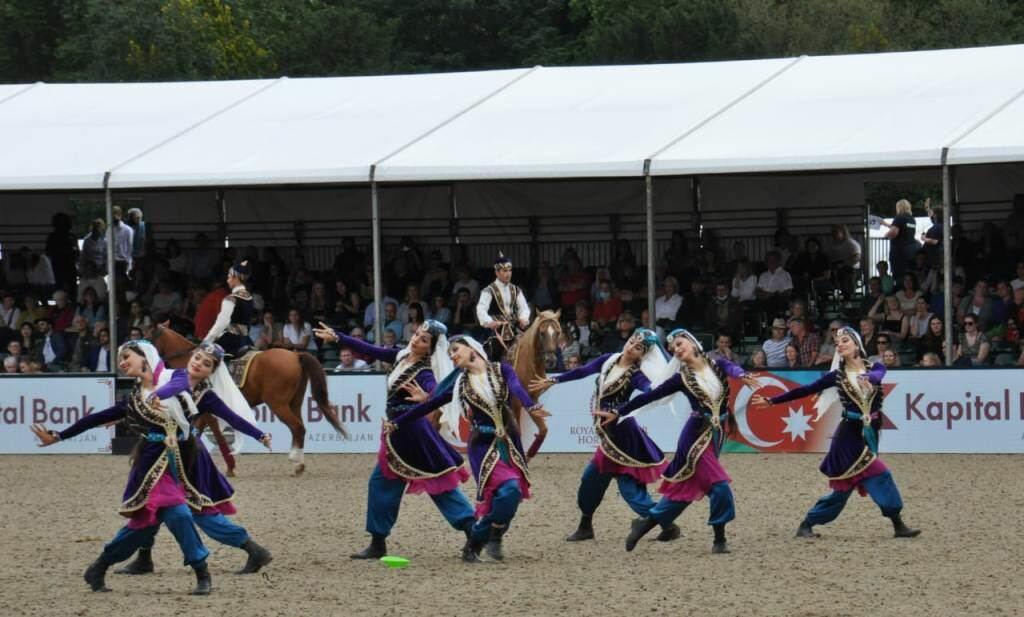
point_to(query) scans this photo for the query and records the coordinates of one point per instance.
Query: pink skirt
(877, 467)
(166, 493)
(502, 473)
(709, 471)
(227, 509)
(643, 475)
(431, 486)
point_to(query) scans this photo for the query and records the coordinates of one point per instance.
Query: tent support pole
(947, 254)
(698, 210)
(649, 207)
(111, 274)
(378, 290)
(222, 219)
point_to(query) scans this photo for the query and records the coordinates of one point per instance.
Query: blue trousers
(178, 519)
(881, 488)
(593, 485)
(218, 527)
(723, 507)
(385, 498)
(503, 509)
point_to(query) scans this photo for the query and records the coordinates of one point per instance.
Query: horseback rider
(231, 330)
(502, 308)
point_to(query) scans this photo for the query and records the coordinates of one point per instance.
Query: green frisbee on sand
(394, 562)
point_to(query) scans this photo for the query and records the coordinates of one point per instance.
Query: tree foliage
(104, 40)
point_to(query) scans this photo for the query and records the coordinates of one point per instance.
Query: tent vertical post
(649, 207)
(453, 222)
(698, 210)
(947, 255)
(111, 274)
(222, 218)
(378, 292)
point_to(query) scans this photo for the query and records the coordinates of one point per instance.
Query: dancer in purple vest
(625, 453)
(852, 461)
(418, 459)
(695, 470)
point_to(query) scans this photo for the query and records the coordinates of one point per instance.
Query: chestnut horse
(277, 377)
(539, 341)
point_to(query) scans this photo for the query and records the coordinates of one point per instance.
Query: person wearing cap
(231, 329)
(695, 470)
(502, 307)
(852, 461)
(625, 453)
(192, 387)
(775, 347)
(417, 459)
(157, 491)
(482, 392)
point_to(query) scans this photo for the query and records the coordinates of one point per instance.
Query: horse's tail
(318, 385)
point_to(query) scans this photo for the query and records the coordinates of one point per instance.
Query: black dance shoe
(96, 574)
(720, 548)
(142, 564)
(471, 551)
(806, 531)
(377, 549)
(900, 530)
(638, 529)
(493, 546)
(672, 532)
(204, 583)
(258, 557)
(584, 531)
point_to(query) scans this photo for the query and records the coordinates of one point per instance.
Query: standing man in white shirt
(774, 285)
(502, 307)
(124, 237)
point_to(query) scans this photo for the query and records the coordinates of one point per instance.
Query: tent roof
(811, 113)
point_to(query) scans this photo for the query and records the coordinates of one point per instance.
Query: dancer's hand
(759, 400)
(265, 440)
(540, 386)
(539, 412)
(750, 381)
(607, 417)
(388, 427)
(325, 333)
(865, 382)
(416, 392)
(46, 438)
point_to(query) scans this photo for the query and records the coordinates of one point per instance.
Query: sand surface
(57, 511)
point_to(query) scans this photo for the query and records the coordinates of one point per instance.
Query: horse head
(549, 328)
(172, 347)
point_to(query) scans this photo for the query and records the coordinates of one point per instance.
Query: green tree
(29, 32)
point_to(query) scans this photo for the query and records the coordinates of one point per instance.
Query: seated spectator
(908, 293)
(27, 336)
(412, 296)
(573, 362)
(883, 343)
(587, 332)
(806, 343)
(50, 350)
(265, 333)
(441, 311)
(166, 299)
(573, 284)
(884, 278)
(40, 274)
(97, 358)
(370, 313)
(94, 279)
(1002, 304)
(297, 334)
(1018, 283)
(318, 301)
(567, 345)
(844, 255)
(811, 268)
(758, 360)
(29, 366)
(391, 323)
(608, 306)
(359, 333)
(11, 365)
(723, 349)
(135, 334)
(435, 279)
(933, 341)
(827, 349)
(798, 308)
(348, 362)
(873, 297)
(390, 339)
(346, 302)
(667, 305)
(463, 280)
(917, 322)
(792, 356)
(868, 336)
(544, 292)
(464, 313)
(62, 312)
(414, 314)
(978, 304)
(930, 360)
(744, 283)
(774, 287)
(90, 309)
(723, 312)
(695, 304)
(890, 319)
(775, 347)
(890, 359)
(14, 348)
(79, 343)
(624, 327)
(973, 347)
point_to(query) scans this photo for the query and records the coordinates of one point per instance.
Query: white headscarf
(441, 365)
(160, 377)
(830, 396)
(475, 345)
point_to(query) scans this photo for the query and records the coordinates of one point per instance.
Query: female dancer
(157, 490)
(625, 452)
(418, 460)
(852, 460)
(193, 382)
(482, 390)
(695, 470)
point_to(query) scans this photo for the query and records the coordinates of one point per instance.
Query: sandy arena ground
(58, 510)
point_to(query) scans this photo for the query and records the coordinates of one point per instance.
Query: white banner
(57, 402)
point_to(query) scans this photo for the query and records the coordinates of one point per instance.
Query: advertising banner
(57, 403)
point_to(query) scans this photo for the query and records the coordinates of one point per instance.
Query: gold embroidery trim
(692, 456)
(616, 455)
(863, 461)
(407, 376)
(404, 470)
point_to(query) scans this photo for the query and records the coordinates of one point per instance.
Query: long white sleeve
(522, 307)
(227, 306)
(484, 303)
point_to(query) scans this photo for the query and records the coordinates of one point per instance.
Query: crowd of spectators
(773, 311)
